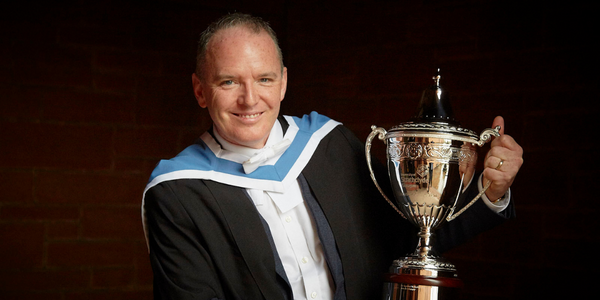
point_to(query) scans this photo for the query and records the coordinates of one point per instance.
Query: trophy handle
(380, 133)
(486, 135)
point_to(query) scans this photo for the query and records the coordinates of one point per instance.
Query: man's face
(242, 85)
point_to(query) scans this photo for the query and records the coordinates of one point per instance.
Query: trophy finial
(437, 77)
(435, 105)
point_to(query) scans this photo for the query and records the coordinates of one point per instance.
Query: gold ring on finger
(500, 164)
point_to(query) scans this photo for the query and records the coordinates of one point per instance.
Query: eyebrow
(221, 77)
(268, 74)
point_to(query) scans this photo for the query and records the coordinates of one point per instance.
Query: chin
(250, 140)
(254, 136)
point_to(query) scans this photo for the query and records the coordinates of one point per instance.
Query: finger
(501, 151)
(496, 190)
(506, 150)
(511, 162)
(494, 162)
(507, 141)
(501, 180)
(501, 170)
(499, 121)
(498, 150)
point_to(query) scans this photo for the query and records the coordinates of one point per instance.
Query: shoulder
(177, 192)
(313, 123)
(317, 123)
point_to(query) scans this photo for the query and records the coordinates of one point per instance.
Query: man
(276, 207)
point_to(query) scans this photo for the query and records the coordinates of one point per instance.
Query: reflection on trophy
(430, 160)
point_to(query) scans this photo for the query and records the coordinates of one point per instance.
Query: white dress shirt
(293, 229)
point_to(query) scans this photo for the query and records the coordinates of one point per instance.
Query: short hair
(254, 24)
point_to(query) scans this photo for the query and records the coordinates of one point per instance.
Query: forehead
(236, 32)
(240, 44)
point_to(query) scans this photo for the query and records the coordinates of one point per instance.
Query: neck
(275, 136)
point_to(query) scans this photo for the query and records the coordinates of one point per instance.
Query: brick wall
(93, 94)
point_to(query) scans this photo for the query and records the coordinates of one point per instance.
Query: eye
(227, 83)
(265, 80)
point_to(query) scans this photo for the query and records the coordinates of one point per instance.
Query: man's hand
(502, 163)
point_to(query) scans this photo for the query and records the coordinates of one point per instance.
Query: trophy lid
(434, 114)
(435, 105)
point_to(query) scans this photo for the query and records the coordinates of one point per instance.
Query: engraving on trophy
(467, 156)
(442, 152)
(423, 171)
(399, 150)
(413, 150)
(407, 287)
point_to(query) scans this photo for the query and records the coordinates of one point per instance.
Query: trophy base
(416, 278)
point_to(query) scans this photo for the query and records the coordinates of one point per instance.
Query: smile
(252, 116)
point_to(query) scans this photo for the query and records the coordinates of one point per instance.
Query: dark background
(94, 93)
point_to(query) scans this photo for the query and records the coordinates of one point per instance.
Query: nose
(249, 95)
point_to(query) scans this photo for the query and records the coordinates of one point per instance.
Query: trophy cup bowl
(430, 161)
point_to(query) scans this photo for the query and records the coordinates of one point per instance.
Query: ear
(198, 91)
(283, 83)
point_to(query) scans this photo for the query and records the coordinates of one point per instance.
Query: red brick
(93, 36)
(21, 101)
(190, 136)
(542, 129)
(16, 187)
(87, 107)
(167, 101)
(44, 280)
(569, 70)
(128, 62)
(63, 230)
(144, 274)
(146, 142)
(571, 225)
(22, 245)
(112, 277)
(59, 187)
(55, 146)
(582, 197)
(555, 100)
(136, 164)
(110, 294)
(90, 253)
(39, 213)
(493, 245)
(29, 295)
(178, 65)
(487, 278)
(162, 41)
(114, 82)
(308, 34)
(114, 222)
(6, 71)
(53, 66)
(33, 31)
(336, 75)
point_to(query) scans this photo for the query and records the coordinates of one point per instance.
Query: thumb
(499, 121)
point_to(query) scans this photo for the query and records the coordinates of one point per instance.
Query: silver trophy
(430, 160)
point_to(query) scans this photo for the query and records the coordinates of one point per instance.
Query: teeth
(250, 116)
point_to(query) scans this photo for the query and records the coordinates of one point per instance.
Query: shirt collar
(275, 136)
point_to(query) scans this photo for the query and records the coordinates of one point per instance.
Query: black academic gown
(208, 241)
